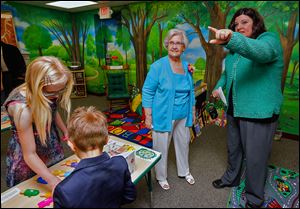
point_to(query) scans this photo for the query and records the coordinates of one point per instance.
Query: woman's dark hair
(258, 21)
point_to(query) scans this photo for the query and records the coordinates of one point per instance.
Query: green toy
(30, 192)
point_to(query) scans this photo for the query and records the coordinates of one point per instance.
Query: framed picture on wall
(8, 32)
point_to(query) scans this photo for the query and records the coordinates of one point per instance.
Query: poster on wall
(8, 33)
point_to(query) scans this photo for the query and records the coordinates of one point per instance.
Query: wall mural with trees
(135, 37)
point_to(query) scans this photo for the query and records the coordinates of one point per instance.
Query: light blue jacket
(158, 94)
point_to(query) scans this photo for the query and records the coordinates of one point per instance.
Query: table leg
(149, 184)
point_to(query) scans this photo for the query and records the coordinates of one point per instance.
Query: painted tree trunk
(160, 40)
(152, 56)
(295, 68)
(75, 41)
(213, 68)
(40, 51)
(215, 54)
(286, 60)
(288, 42)
(141, 61)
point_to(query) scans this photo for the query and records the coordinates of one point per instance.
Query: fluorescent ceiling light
(71, 4)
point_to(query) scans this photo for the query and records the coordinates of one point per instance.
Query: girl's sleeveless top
(52, 153)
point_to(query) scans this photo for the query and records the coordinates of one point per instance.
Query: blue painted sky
(195, 49)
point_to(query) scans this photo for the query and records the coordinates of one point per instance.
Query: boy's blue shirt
(100, 182)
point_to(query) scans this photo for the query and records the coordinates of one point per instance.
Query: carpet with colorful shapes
(130, 126)
(281, 190)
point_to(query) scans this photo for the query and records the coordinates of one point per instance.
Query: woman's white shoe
(190, 179)
(164, 184)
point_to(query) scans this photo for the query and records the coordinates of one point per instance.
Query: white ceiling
(79, 9)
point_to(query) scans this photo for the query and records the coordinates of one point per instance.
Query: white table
(143, 165)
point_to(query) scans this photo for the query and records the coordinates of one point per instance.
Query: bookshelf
(79, 87)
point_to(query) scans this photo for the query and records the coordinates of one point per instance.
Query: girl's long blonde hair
(43, 71)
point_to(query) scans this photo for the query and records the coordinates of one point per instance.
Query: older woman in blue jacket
(169, 103)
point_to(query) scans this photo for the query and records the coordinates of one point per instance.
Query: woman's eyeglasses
(54, 93)
(171, 43)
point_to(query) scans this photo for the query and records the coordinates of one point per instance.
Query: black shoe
(218, 184)
(251, 205)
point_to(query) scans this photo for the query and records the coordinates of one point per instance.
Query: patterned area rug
(129, 126)
(281, 190)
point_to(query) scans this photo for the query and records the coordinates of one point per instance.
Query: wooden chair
(117, 90)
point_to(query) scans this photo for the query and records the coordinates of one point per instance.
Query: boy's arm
(59, 200)
(129, 194)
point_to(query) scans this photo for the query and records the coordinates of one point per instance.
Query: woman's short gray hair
(176, 32)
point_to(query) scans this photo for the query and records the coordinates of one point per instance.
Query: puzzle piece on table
(74, 164)
(67, 173)
(45, 202)
(46, 195)
(30, 192)
(69, 163)
(58, 173)
(41, 180)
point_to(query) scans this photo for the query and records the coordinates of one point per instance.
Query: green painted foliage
(36, 37)
(103, 36)
(57, 51)
(200, 64)
(91, 61)
(90, 46)
(52, 50)
(62, 54)
(295, 54)
(119, 58)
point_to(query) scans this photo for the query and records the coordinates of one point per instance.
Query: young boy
(98, 181)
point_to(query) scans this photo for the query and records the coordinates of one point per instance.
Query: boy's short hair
(87, 128)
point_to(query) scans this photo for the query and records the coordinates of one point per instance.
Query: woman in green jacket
(252, 80)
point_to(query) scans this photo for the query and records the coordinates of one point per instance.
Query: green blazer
(254, 67)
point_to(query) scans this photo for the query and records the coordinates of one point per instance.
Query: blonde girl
(33, 109)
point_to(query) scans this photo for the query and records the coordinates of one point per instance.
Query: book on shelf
(79, 81)
(78, 77)
(78, 74)
(79, 90)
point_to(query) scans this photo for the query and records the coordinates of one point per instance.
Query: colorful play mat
(281, 190)
(130, 126)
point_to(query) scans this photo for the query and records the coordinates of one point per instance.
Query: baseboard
(290, 136)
